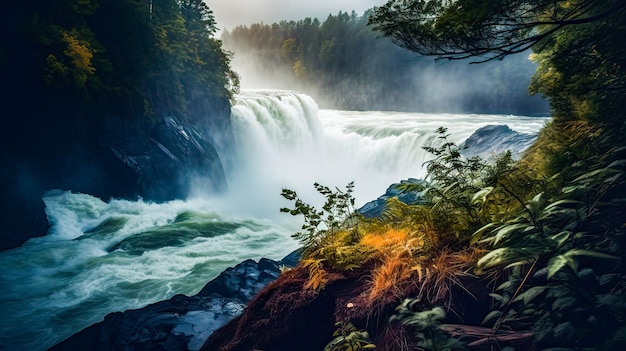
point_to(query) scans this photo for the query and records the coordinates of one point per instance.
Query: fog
(414, 85)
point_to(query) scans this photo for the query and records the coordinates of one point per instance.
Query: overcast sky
(231, 13)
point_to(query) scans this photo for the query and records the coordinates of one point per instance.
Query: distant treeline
(344, 64)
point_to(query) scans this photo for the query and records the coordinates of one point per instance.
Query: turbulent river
(108, 255)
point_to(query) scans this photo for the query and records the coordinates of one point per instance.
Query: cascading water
(286, 142)
(100, 257)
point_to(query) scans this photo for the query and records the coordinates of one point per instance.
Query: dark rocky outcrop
(283, 316)
(167, 158)
(182, 322)
(117, 157)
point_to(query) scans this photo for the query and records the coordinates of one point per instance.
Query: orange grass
(409, 259)
(446, 267)
(388, 239)
(398, 267)
(389, 277)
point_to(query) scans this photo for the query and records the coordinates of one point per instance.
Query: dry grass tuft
(398, 269)
(390, 239)
(446, 267)
(389, 278)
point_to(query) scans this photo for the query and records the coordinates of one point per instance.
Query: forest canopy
(87, 58)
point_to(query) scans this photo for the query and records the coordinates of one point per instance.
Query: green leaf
(481, 196)
(509, 229)
(595, 173)
(479, 233)
(588, 253)
(496, 297)
(564, 330)
(506, 285)
(563, 202)
(558, 262)
(563, 302)
(530, 294)
(561, 237)
(491, 315)
(517, 263)
(501, 256)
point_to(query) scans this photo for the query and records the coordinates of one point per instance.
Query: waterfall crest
(284, 140)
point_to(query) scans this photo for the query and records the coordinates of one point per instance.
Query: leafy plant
(329, 227)
(427, 326)
(454, 180)
(564, 255)
(318, 277)
(348, 338)
(467, 193)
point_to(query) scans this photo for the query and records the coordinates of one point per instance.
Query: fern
(318, 278)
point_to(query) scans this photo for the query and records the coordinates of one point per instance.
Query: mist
(447, 87)
(342, 64)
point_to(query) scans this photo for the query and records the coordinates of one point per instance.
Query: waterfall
(286, 141)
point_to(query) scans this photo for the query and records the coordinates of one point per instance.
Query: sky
(231, 13)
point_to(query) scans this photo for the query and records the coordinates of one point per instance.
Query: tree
(198, 16)
(489, 29)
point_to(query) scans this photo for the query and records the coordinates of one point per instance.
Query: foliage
(565, 256)
(582, 70)
(467, 193)
(318, 277)
(427, 326)
(154, 58)
(348, 338)
(329, 233)
(487, 29)
(454, 180)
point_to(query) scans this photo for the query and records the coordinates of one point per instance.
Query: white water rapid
(100, 257)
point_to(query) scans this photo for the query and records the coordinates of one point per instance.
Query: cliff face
(124, 108)
(117, 157)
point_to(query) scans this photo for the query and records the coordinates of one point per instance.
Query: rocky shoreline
(182, 322)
